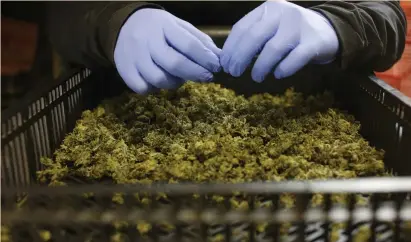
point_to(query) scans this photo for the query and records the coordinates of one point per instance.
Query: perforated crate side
(34, 129)
(385, 117)
(70, 216)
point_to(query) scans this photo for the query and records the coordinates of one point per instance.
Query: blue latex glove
(158, 50)
(288, 36)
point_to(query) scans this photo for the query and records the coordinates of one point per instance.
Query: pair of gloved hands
(158, 50)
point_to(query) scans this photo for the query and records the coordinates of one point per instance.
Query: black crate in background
(36, 127)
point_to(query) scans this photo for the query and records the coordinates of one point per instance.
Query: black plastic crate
(35, 128)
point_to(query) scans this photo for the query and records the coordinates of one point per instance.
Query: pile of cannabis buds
(207, 133)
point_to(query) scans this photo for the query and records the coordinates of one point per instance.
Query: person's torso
(228, 13)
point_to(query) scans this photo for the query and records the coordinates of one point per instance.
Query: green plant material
(143, 227)
(45, 235)
(336, 231)
(407, 229)
(5, 234)
(203, 132)
(118, 237)
(363, 234)
(21, 201)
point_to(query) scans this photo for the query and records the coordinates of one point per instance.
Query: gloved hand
(289, 37)
(158, 50)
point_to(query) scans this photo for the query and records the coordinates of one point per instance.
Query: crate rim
(331, 186)
(36, 94)
(397, 93)
(39, 92)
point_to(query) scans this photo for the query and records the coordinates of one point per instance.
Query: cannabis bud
(203, 132)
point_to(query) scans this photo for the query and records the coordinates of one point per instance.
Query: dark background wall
(14, 86)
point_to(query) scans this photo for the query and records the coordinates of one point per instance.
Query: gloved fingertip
(235, 70)
(214, 65)
(217, 51)
(280, 74)
(213, 48)
(226, 70)
(206, 77)
(224, 60)
(141, 91)
(231, 70)
(257, 78)
(217, 69)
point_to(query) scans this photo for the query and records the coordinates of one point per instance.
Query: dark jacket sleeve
(372, 34)
(85, 33)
